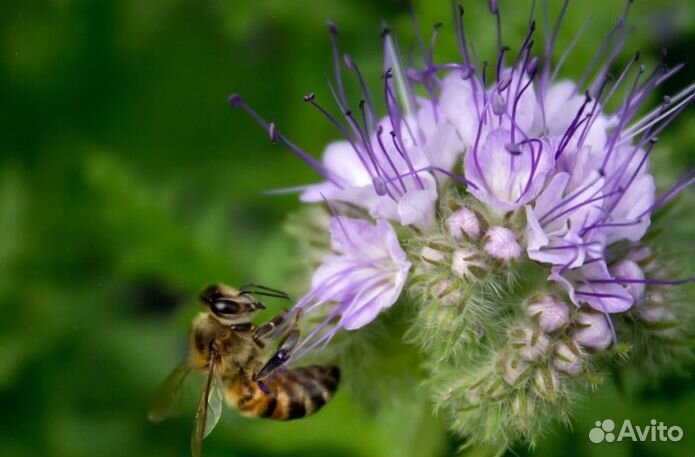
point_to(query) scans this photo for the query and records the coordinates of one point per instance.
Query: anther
(235, 100)
(385, 31)
(272, 132)
(414, 75)
(667, 100)
(379, 186)
(332, 27)
(513, 149)
(309, 97)
(494, 8)
(348, 61)
(438, 25)
(498, 104)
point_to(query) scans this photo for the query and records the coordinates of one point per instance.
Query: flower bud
(655, 309)
(531, 344)
(465, 261)
(629, 270)
(640, 254)
(463, 221)
(568, 358)
(473, 396)
(512, 369)
(546, 382)
(496, 389)
(593, 331)
(550, 313)
(501, 244)
(522, 405)
(430, 257)
(446, 293)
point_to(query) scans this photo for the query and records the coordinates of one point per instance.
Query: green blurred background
(127, 183)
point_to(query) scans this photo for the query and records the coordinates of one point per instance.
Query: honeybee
(225, 345)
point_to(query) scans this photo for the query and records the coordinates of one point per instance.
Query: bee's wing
(167, 400)
(209, 408)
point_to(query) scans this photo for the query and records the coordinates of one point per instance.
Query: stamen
(648, 281)
(236, 101)
(683, 98)
(379, 131)
(393, 61)
(393, 110)
(568, 200)
(594, 113)
(571, 209)
(494, 9)
(500, 63)
(368, 147)
(463, 50)
(623, 118)
(443, 171)
(550, 40)
(484, 77)
(535, 160)
(620, 24)
(519, 93)
(433, 41)
(310, 98)
(416, 30)
(351, 65)
(569, 49)
(333, 32)
(622, 76)
(572, 127)
(601, 295)
(618, 176)
(685, 182)
(404, 155)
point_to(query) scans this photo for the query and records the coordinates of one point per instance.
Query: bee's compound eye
(225, 307)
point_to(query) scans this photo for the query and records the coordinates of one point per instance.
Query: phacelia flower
(520, 200)
(365, 274)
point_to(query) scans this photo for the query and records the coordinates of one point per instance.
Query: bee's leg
(288, 342)
(269, 330)
(243, 327)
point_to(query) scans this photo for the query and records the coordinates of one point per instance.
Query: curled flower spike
(515, 208)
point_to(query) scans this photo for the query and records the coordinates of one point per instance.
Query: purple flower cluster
(511, 135)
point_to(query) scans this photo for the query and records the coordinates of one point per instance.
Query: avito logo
(656, 431)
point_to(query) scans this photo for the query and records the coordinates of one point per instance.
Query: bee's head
(228, 304)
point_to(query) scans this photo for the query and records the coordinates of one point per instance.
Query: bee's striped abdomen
(289, 394)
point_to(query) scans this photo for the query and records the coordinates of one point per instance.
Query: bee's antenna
(258, 289)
